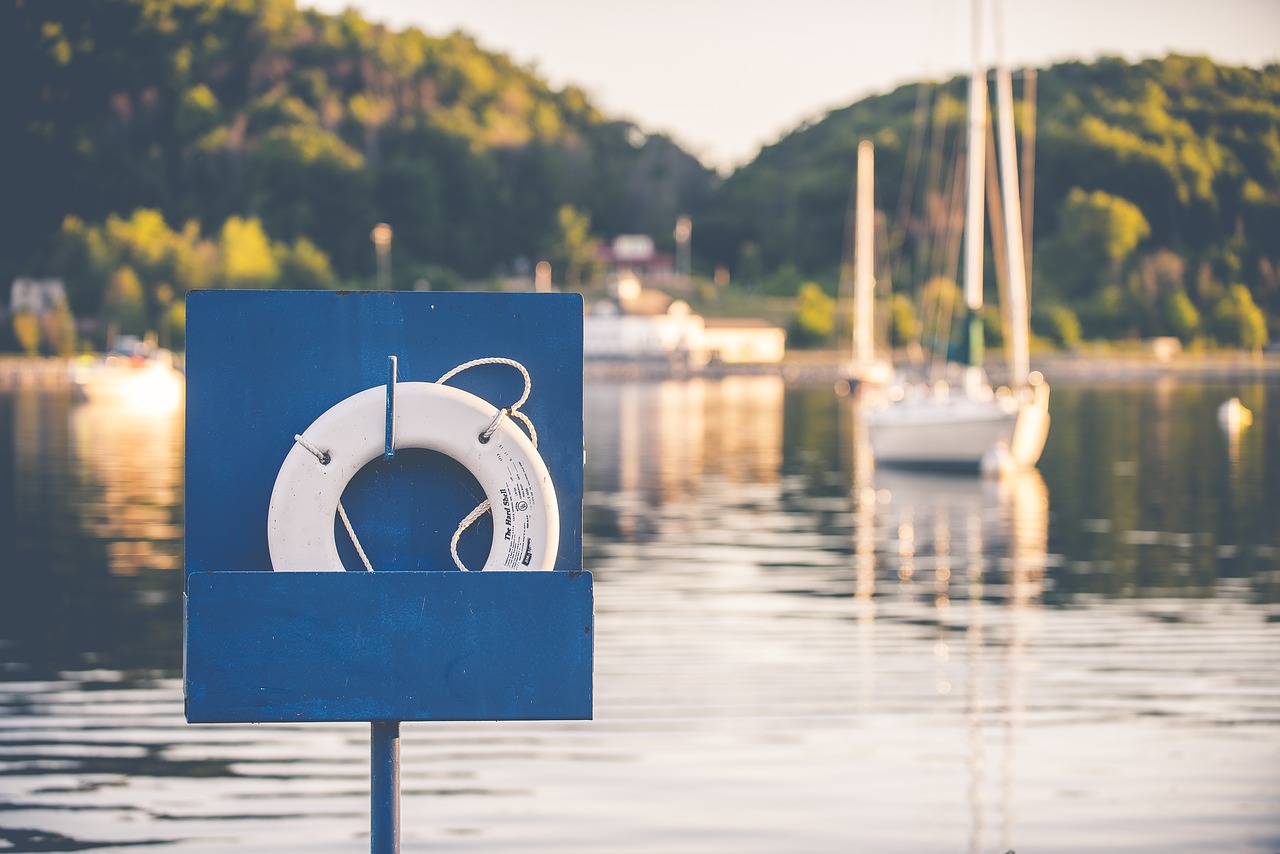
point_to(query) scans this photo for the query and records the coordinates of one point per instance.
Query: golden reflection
(1233, 417)
(40, 426)
(128, 462)
(666, 439)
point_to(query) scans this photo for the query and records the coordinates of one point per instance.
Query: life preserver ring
(304, 502)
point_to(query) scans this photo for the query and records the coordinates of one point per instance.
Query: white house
(37, 296)
(639, 325)
(743, 341)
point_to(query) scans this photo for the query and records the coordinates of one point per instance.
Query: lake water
(794, 652)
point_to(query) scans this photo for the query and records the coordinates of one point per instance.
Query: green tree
(247, 259)
(904, 326)
(1097, 233)
(59, 330)
(574, 248)
(1059, 324)
(198, 112)
(308, 182)
(1237, 321)
(1181, 316)
(749, 270)
(941, 304)
(26, 329)
(174, 322)
(303, 267)
(124, 309)
(814, 319)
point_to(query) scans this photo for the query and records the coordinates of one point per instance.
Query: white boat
(991, 430)
(134, 373)
(968, 424)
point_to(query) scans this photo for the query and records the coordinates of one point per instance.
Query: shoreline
(820, 368)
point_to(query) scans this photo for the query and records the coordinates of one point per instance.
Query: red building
(635, 253)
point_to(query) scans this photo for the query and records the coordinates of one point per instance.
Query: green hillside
(317, 126)
(1157, 189)
(153, 146)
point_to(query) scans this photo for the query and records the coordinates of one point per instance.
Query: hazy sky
(724, 77)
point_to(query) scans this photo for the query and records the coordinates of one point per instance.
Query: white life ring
(304, 502)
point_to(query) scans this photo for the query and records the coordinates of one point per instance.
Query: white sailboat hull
(959, 432)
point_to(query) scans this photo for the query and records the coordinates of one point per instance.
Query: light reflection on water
(795, 652)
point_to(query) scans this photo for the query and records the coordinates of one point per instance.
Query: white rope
(481, 509)
(495, 360)
(528, 422)
(351, 532)
(498, 417)
(324, 458)
(512, 411)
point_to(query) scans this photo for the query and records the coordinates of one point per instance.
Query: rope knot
(323, 456)
(498, 417)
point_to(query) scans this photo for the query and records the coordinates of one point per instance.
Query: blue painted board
(262, 365)
(413, 646)
(409, 642)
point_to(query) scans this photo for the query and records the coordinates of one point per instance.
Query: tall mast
(1028, 169)
(974, 223)
(1019, 322)
(863, 258)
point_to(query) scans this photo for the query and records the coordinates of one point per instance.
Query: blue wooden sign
(362, 646)
(415, 639)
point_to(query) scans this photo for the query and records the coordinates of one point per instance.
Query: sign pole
(384, 789)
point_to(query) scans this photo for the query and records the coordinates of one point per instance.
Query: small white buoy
(1233, 415)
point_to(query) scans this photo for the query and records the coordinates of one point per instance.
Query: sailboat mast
(974, 223)
(1019, 322)
(863, 258)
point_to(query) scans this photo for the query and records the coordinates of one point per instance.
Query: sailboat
(974, 426)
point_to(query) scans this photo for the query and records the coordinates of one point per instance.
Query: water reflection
(661, 441)
(982, 543)
(97, 495)
(657, 444)
(1153, 497)
(992, 531)
(128, 465)
(795, 651)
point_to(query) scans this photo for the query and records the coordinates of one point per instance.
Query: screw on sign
(317, 392)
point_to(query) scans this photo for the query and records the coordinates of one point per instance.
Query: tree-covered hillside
(1156, 190)
(153, 146)
(316, 126)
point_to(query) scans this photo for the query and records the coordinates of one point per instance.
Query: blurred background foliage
(154, 146)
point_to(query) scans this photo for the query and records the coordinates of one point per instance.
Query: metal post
(384, 789)
(381, 236)
(390, 451)
(684, 263)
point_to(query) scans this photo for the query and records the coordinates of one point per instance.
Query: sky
(726, 77)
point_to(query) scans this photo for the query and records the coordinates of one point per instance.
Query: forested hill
(316, 125)
(152, 146)
(1157, 188)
